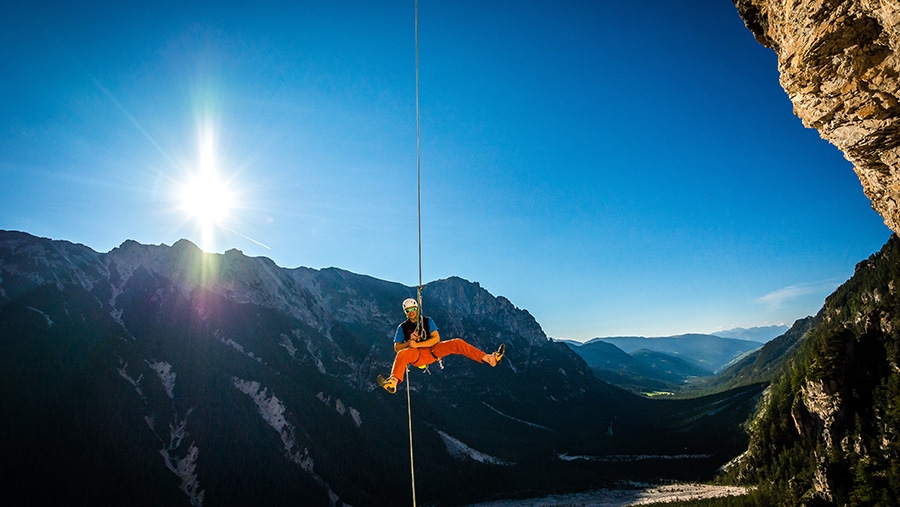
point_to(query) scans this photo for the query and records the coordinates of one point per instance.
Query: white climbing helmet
(409, 303)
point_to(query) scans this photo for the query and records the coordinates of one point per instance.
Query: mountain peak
(166, 360)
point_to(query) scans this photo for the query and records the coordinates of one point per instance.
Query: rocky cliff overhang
(839, 64)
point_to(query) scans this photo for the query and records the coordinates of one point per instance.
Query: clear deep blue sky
(615, 168)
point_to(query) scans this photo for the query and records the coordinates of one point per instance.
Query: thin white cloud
(779, 297)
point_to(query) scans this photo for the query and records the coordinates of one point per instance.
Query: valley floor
(637, 495)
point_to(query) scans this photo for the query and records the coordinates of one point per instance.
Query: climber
(424, 350)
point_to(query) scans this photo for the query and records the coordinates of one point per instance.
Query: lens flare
(205, 197)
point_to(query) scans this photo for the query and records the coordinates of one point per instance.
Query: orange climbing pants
(422, 357)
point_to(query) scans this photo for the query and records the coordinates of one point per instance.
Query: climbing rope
(418, 170)
(418, 160)
(412, 467)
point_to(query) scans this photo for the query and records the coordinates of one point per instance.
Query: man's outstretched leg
(461, 347)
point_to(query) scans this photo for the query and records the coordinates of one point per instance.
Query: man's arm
(433, 338)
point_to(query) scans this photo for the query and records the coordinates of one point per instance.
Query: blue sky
(615, 168)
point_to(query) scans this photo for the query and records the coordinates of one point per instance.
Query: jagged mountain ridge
(169, 374)
(145, 290)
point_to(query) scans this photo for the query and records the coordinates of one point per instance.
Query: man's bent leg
(457, 346)
(401, 360)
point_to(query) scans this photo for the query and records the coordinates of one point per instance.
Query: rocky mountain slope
(166, 376)
(826, 434)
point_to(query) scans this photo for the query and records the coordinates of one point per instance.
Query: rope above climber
(418, 343)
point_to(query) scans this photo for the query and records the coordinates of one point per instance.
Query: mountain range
(663, 364)
(760, 334)
(156, 374)
(707, 352)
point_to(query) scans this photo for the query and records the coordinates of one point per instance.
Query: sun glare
(205, 197)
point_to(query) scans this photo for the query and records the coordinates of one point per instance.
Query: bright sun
(205, 197)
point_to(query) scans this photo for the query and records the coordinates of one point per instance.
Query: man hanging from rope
(424, 350)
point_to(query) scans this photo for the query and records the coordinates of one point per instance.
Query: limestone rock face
(839, 64)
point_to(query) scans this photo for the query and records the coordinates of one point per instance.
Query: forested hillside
(828, 430)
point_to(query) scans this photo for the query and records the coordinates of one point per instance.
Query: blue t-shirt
(402, 334)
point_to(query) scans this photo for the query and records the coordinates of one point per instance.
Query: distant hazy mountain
(760, 334)
(760, 365)
(707, 352)
(642, 371)
(158, 375)
(667, 363)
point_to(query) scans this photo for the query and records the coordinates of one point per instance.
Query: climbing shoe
(494, 358)
(500, 351)
(389, 384)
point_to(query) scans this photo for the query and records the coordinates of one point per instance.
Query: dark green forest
(826, 432)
